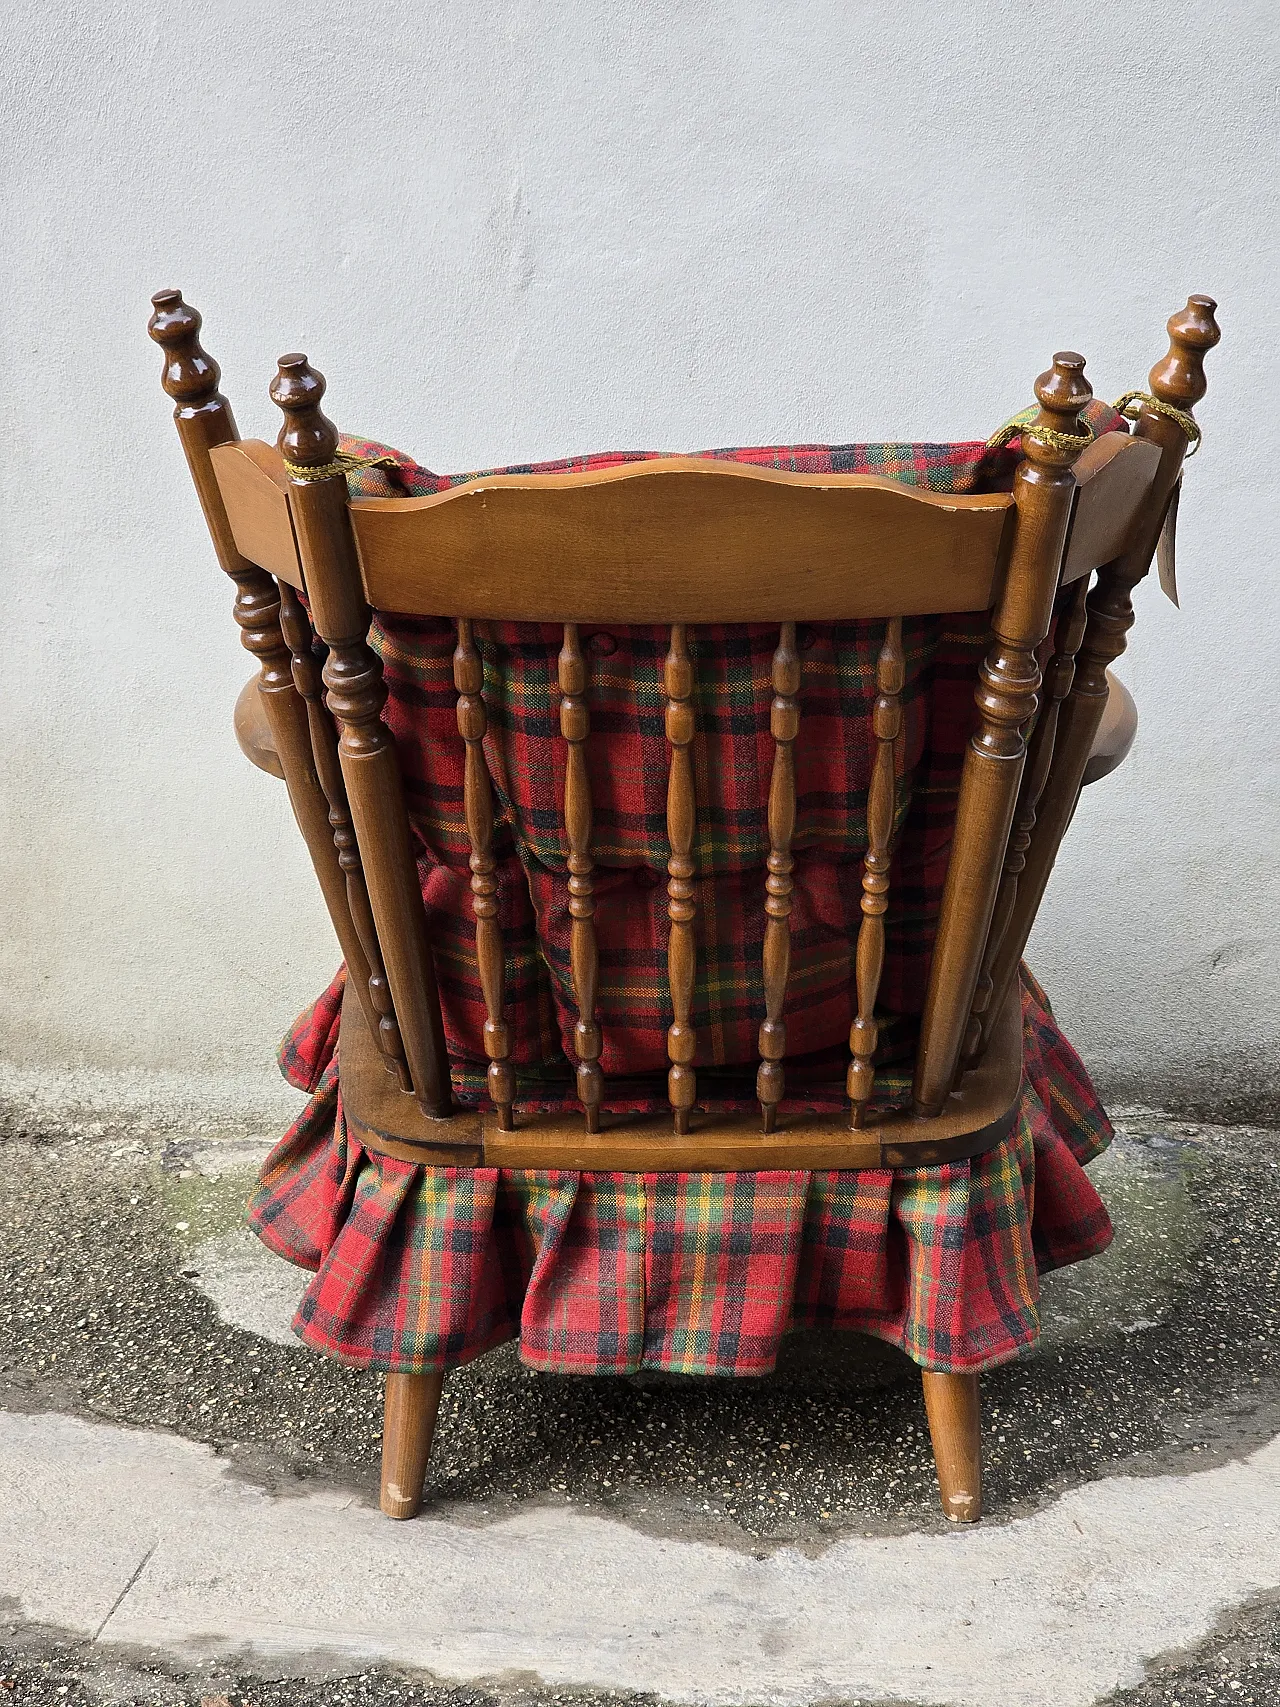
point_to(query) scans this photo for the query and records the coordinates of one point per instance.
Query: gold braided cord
(1130, 406)
(343, 463)
(1050, 436)
(1133, 403)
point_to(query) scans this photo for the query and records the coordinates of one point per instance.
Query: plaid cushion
(627, 759)
(424, 1268)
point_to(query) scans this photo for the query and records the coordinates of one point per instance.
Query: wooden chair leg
(952, 1405)
(408, 1423)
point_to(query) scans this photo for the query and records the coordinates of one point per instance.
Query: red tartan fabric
(420, 1268)
(424, 1268)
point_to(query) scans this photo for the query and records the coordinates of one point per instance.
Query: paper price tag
(1165, 565)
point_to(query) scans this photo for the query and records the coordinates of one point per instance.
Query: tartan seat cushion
(424, 1268)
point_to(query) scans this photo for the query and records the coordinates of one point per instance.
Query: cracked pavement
(1160, 1358)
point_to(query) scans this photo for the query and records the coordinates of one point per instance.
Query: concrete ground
(186, 1493)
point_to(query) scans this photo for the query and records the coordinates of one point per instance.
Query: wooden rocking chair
(620, 546)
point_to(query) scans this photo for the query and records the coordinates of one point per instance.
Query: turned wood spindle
(1057, 684)
(296, 628)
(682, 1042)
(584, 958)
(355, 696)
(468, 678)
(864, 1033)
(1006, 697)
(1178, 379)
(784, 725)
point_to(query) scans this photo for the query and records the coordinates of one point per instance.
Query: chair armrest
(1115, 733)
(252, 731)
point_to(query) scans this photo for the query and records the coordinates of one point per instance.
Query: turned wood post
(1001, 944)
(1178, 380)
(1009, 681)
(204, 419)
(308, 442)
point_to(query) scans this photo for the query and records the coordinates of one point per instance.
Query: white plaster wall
(520, 229)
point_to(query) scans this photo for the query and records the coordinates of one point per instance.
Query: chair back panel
(682, 514)
(663, 546)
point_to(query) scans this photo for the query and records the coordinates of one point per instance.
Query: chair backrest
(683, 542)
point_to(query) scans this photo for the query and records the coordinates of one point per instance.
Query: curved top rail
(680, 539)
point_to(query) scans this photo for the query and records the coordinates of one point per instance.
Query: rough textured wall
(517, 231)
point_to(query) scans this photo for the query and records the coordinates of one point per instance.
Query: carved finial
(308, 437)
(190, 373)
(1062, 393)
(1179, 378)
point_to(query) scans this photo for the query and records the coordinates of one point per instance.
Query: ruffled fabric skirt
(421, 1268)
